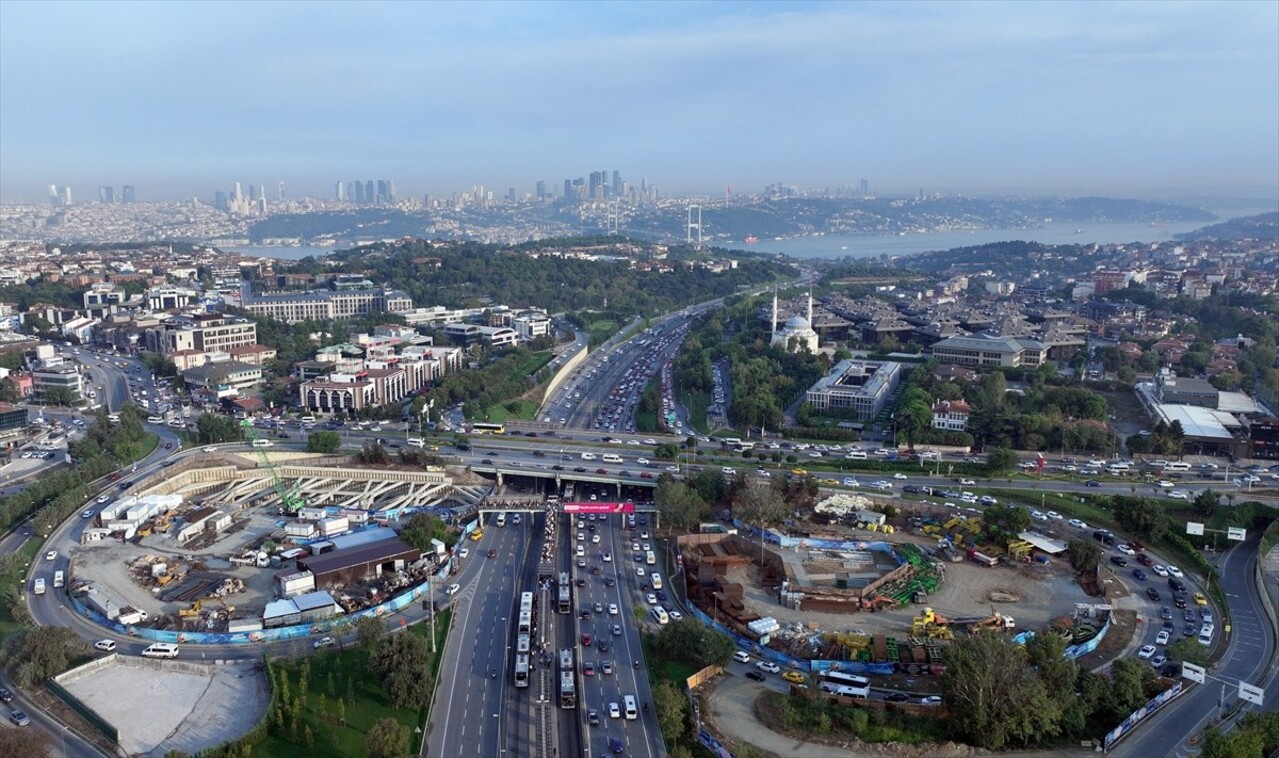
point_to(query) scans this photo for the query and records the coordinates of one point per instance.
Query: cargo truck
(979, 557)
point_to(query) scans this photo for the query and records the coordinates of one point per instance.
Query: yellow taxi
(1200, 599)
(794, 677)
(799, 472)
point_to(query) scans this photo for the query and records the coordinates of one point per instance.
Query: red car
(586, 640)
(1144, 559)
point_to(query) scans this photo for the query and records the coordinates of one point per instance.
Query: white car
(87, 514)
(639, 571)
(635, 547)
(1160, 570)
(581, 536)
(1123, 548)
(324, 642)
(1039, 515)
(675, 615)
(899, 475)
(1162, 637)
(1179, 495)
(52, 555)
(1174, 571)
(642, 461)
(612, 609)
(103, 498)
(1077, 523)
(105, 645)
(1166, 484)
(210, 449)
(741, 657)
(651, 598)
(608, 557)
(464, 552)
(595, 539)
(1054, 515)
(850, 482)
(1146, 652)
(967, 482)
(453, 589)
(613, 711)
(768, 666)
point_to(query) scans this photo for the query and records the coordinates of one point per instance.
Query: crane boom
(290, 502)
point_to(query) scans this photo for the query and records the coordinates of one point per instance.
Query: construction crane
(290, 502)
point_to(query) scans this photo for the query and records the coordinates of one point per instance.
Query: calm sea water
(286, 253)
(874, 245)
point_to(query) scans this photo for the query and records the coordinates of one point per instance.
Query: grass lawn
(366, 703)
(696, 403)
(601, 330)
(498, 414)
(535, 362)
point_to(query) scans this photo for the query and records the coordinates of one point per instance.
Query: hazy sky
(180, 99)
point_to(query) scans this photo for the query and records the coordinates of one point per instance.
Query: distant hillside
(1261, 226)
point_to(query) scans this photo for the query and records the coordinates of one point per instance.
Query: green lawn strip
(499, 414)
(696, 403)
(146, 447)
(30, 551)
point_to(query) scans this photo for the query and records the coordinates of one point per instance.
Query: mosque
(797, 333)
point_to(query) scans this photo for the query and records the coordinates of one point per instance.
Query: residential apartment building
(62, 376)
(203, 333)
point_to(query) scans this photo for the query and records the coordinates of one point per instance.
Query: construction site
(219, 542)
(862, 587)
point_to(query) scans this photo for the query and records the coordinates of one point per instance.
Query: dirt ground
(107, 562)
(1032, 594)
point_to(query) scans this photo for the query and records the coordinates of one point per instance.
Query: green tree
(757, 503)
(403, 661)
(369, 631)
(422, 528)
(1000, 460)
(1084, 554)
(387, 738)
(35, 654)
(672, 708)
(1142, 516)
(324, 442)
(212, 429)
(913, 419)
(996, 700)
(1007, 519)
(1207, 502)
(9, 391)
(679, 505)
(1188, 649)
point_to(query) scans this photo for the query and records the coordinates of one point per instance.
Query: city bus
(484, 428)
(568, 685)
(565, 594)
(848, 685)
(521, 670)
(526, 622)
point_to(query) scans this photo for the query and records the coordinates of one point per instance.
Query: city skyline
(1120, 98)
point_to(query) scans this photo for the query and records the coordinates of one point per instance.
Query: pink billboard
(599, 507)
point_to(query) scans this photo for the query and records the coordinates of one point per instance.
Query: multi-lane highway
(605, 611)
(478, 710)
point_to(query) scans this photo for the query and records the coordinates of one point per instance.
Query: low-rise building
(855, 388)
(985, 350)
(951, 415)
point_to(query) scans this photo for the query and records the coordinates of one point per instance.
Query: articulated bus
(521, 670)
(850, 685)
(568, 685)
(526, 622)
(482, 428)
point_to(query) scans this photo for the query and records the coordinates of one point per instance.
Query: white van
(501, 519)
(632, 712)
(263, 443)
(1205, 634)
(417, 442)
(161, 650)
(38, 587)
(1177, 466)
(856, 455)
(612, 458)
(660, 614)
(657, 580)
